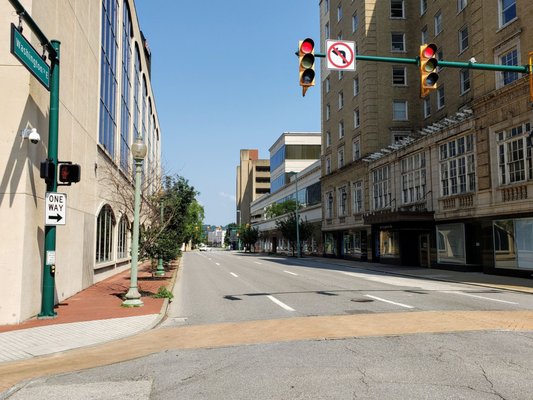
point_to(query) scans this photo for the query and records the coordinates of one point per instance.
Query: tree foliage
(278, 209)
(248, 236)
(287, 228)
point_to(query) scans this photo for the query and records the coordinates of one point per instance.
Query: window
(424, 35)
(413, 169)
(465, 80)
(356, 149)
(438, 23)
(357, 196)
(514, 154)
(463, 39)
(507, 11)
(396, 9)
(356, 120)
(328, 165)
(399, 136)
(451, 244)
(326, 30)
(340, 157)
(340, 74)
(104, 234)
(461, 4)
(399, 110)
(339, 12)
(381, 190)
(423, 6)
(355, 86)
(136, 93)
(326, 5)
(125, 103)
(328, 138)
(341, 129)
(397, 42)
(355, 22)
(440, 97)
(427, 107)
(122, 245)
(399, 76)
(329, 205)
(328, 85)
(328, 112)
(341, 199)
(457, 166)
(108, 76)
(509, 58)
(341, 100)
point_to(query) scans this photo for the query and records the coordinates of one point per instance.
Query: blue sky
(225, 78)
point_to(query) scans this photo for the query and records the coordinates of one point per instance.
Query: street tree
(249, 236)
(287, 228)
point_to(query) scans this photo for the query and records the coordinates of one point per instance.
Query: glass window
(355, 86)
(451, 244)
(341, 199)
(328, 85)
(381, 188)
(457, 166)
(357, 195)
(423, 7)
(507, 11)
(356, 119)
(397, 9)
(326, 30)
(397, 42)
(440, 97)
(339, 12)
(399, 76)
(389, 244)
(424, 35)
(413, 179)
(465, 80)
(329, 205)
(104, 234)
(399, 110)
(122, 245)
(340, 157)
(126, 90)
(328, 165)
(509, 58)
(438, 23)
(108, 76)
(355, 22)
(328, 112)
(427, 107)
(514, 154)
(463, 39)
(341, 129)
(461, 4)
(328, 138)
(341, 100)
(356, 149)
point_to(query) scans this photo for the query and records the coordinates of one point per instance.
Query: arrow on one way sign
(55, 208)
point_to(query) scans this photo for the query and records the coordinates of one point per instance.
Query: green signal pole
(48, 292)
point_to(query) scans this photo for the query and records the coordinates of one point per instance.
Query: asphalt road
(219, 286)
(254, 327)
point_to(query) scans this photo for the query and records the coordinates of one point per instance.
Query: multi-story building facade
(437, 180)
(106, 102)
(253, 180)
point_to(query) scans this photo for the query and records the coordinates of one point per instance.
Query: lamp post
(160, 271)
(133, 297)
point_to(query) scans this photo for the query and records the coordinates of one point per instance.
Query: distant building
(253, 180)
(216, 237)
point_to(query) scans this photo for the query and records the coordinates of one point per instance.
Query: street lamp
(160, 271)
(133, 297)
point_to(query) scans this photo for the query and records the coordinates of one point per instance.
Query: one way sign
(55, 208)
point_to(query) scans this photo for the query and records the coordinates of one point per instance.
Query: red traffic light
(307, 46)
(69, 173)
(429, 51)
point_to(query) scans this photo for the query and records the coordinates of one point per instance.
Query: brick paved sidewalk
(103, 300)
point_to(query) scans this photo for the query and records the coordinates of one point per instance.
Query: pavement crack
(489, 381)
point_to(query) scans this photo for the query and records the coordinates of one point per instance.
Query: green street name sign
(29, 57)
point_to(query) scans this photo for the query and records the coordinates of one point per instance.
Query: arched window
(122, 243)
(104, 234)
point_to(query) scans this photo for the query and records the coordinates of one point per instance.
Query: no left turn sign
(340, 55)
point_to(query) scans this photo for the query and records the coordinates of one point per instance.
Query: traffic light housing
(428, 69)
(68, 173)
(306, 58)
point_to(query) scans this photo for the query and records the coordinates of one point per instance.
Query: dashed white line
(257, 262)
(235, 275)
(292, 273)
(281, 304)
(482, 297)
(388, 301)
(217, 263)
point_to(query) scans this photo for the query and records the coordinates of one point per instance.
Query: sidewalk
(90, 317)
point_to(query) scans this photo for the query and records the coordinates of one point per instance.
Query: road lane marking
(257, 262)
(281, 304)
(388, 301)
(292, 273)
(482, 297)
(217, 263)
(235, 275)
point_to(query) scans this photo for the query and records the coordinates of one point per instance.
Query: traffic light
(306, 56)
(69, 173)
(428, 69)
